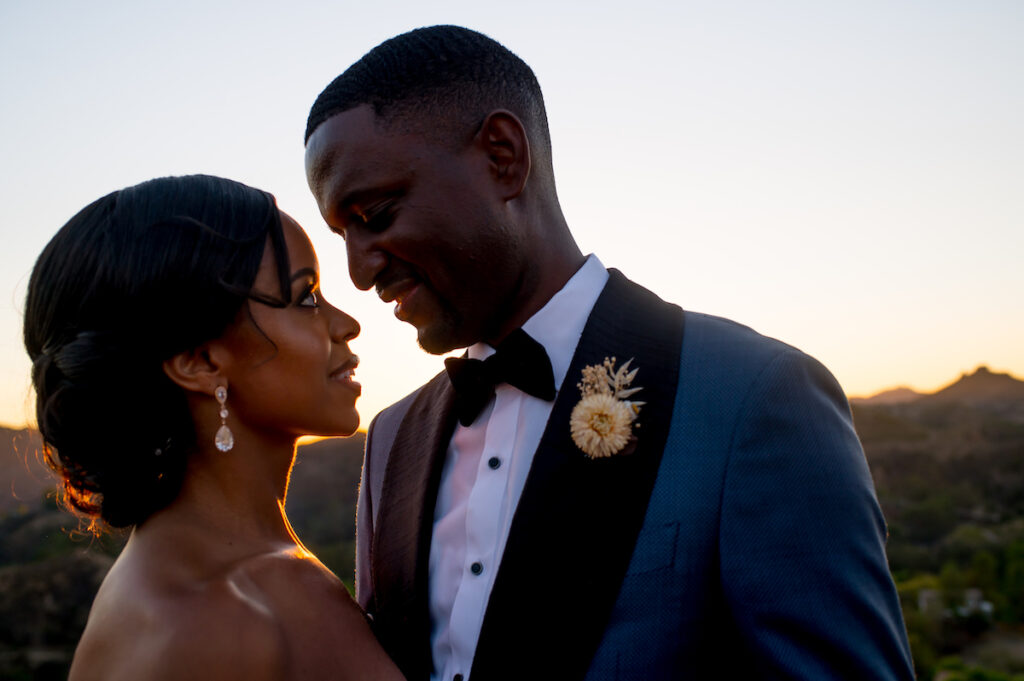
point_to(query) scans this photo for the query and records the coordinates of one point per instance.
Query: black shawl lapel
(400, 605)
(577, 520)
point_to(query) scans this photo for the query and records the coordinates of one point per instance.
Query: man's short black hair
(440, 78)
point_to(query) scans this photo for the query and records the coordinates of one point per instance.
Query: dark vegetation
(948, 467)
(49, 572)
(949, 471)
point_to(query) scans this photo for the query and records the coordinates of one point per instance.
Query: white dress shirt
(484, 473)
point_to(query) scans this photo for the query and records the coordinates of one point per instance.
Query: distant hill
(948, 469)
(24, 478)
(322, 469)
(321, 500)
(945, 459)
(49, 573)
(984, 389)
(899, 395)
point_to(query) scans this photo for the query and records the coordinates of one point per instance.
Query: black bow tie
(518, 360)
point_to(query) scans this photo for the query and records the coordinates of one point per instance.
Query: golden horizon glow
(749, 160)
(367, 412)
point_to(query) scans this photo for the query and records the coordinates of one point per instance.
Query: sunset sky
(847, 177)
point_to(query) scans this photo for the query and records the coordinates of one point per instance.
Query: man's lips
(396, 289)
(401, 291)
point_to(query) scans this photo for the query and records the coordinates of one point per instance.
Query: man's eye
(377, 218)
(380, 221)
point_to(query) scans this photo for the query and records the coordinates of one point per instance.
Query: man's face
(424, 223)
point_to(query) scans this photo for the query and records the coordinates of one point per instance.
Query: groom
(534, 515)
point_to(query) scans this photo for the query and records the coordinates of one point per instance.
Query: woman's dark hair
(133, 279)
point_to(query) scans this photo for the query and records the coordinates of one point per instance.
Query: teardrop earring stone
(224, 439)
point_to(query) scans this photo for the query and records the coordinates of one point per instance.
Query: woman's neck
(233, 500)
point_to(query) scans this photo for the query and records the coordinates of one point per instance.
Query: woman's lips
(346, 374)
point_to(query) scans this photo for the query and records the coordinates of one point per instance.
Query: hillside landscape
(948, 467)
(949, 471)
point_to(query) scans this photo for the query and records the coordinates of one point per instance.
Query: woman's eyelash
(310, 292)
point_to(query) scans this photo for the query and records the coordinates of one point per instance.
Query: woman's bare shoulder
(288, 577)
(206, 630)
(327, 632)
(273, 615)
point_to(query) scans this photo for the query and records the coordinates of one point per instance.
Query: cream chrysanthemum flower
(601, 425)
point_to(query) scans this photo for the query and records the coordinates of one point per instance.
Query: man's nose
(365, 258)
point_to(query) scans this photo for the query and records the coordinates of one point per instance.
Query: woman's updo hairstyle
(133, 279)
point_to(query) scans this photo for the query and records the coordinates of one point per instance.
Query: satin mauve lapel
(577, 520)
(408, 497)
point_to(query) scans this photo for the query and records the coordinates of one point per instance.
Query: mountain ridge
(980, 388)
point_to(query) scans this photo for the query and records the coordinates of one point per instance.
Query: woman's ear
(503, 138)
(194, 370)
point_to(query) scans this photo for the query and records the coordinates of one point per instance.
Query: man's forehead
(351, 158)
(326, 143)
(338, 150)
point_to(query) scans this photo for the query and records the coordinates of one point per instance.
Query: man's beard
(443, 334)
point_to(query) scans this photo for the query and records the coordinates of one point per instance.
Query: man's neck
(553, 282)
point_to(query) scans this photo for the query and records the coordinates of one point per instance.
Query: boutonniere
(602, 421)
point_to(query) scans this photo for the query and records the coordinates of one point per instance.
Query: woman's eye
(310, 299)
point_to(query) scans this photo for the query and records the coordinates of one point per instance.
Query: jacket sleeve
(364, 528)
(802, 538)
(380, 436)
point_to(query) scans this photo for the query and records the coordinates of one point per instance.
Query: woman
(180, 347)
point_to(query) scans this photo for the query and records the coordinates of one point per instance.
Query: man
(535, 515)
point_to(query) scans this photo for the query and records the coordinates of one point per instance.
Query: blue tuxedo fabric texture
(750, 545)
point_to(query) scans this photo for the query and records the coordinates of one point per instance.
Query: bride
(180, 346)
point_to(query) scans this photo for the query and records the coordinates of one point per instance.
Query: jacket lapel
(408, 497)
(578, 519)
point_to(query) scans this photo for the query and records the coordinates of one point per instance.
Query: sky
(846, 177)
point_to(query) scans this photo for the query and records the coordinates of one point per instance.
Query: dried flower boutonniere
(602, 421)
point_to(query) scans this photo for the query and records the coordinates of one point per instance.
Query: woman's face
(290, 370)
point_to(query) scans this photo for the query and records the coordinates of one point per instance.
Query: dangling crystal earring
(224, 439)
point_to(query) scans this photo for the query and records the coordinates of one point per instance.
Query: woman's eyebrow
(305, 272)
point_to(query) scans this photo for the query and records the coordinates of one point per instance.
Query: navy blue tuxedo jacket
(741, 538)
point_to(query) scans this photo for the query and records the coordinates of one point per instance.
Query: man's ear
(195, 370)
(503, 138)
